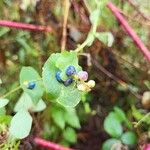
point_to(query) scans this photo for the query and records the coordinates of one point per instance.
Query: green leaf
(66, 96)
(25, 102)
(122, 117)
(3, 102)
(106, 38)
(69, 96)
(71, 118)
(40, 106)
(69, 134)
(52, 86)
(120, 113)
(5, 119)
(129, 138)
(66, 59)
(107, 145)
(20, 125)
(112, 125)
(58, 116)
(28, 74)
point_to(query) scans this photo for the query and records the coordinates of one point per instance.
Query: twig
(9, 93)
(47, 144)
(129, 30)
(64, 34)
(116, 79)
(25, 26)
(126, 61)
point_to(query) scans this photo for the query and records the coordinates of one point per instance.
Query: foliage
(113, 125)
(39, 105)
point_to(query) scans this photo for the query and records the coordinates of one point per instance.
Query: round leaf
(20, 125)
(25, 102)
(69, 134)
(129, 138)
(109, 143)
(66, 96)
(112, 126)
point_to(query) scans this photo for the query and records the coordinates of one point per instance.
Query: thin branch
(47, 144)
(116, 79)
(129, 30)
(64, 34)
(25, 26)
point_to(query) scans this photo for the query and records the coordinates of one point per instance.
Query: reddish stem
(24, 26)
(146, 147)
(129, 30)
(50, 145)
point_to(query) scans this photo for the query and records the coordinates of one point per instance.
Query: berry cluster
(79, 77)
(70, 71)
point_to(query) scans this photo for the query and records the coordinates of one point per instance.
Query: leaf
(69, 96)
(28, 74)
(112, 126)
(52, 86)
(20, 125)
(71, 118)
(66, 59)
(25, 102)
(58, 116)
(66, 96)
(106, 38)
(3, 102)
(129, 138)
(122, 117)
(40, 106)
(5, 119)
(69, 134)
(109, 143)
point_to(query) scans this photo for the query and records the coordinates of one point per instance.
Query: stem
(25, 26)
(12, 91)
(64, 34)
(48, 144)
(129, 30)
(81, 46)
(140, 121)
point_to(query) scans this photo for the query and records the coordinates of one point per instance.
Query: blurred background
(123, 61)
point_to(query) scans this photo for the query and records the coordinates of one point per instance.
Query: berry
(58, 76)
(70, 71)
(83, 75)
(31, 85)
(68, 82)
(82, 87)
(91, 83)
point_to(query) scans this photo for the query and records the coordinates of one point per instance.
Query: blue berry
(58, 76)
(68, 82)
(31, 85)
(70, 71)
